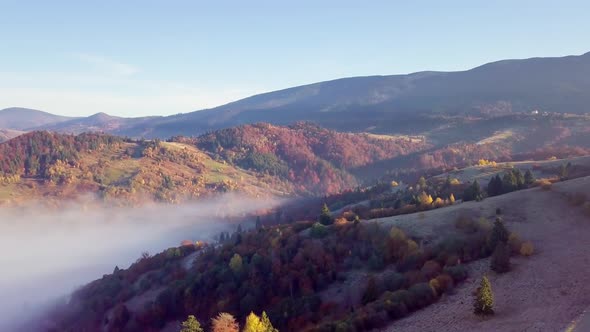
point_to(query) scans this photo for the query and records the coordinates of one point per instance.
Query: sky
(136, 58)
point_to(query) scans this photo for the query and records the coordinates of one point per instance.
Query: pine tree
(500, 261)
(371, 292)
(528, 177)
(325, 217)
(266, 323)
(495, 186)
(499, 235)
(191, 324)
(484, 298)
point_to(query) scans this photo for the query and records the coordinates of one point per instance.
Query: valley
(372, 203)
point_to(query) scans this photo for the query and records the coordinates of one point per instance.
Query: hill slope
(386, 103)
(24, 118)
(256, 160)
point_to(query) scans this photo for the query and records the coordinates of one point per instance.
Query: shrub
(577, 199)
(445, 282)
(465, 224)
(545, 184)
(423, 294)
(318, 231)
(430, 269)
(527, 249)
(393, 281)
(515, 243)
(457, 272)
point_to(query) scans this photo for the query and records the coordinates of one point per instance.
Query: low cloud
(47, 253)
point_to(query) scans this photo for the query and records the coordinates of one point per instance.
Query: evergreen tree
(473, 192)
(258, 223)
(484, 298)
(422, 183)
(529, 178)
(325, 217)
(509, 182)
(495, 186)
(266, 323)
(499, 235)
(191, 324)
(519, 178)
(500, 261)
(371, 292)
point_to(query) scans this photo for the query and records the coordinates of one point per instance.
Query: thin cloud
(106, 64)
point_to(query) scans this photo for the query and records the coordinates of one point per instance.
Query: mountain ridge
(378, 103)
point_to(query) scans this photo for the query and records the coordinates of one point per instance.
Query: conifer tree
(325, 217)
(499, 235)
(528, 177)
(191, 324)
(484, 298)
(266, 323)
(500, 261)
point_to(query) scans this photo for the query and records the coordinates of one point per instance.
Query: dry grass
(543, 292)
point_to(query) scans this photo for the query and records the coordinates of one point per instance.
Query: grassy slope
(117, 177)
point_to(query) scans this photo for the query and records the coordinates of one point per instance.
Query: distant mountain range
(384, 104)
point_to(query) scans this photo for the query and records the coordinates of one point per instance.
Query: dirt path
(545, 292)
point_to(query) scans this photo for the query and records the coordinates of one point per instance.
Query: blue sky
(134, 58)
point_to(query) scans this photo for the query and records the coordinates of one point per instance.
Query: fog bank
(47, 253)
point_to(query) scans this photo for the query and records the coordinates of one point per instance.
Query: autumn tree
(325, 217)
(425, 199)
(253, 323)
(452, 198)
(224, 322)
(484, 298)
(235, 263)
(191, 324)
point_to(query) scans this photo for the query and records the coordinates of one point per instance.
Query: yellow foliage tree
(425, 199)
(527, 249)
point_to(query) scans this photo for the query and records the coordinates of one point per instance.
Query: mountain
(410, 104)
(99, 122)
(405, 102)
(6, 134)
(17, 118)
